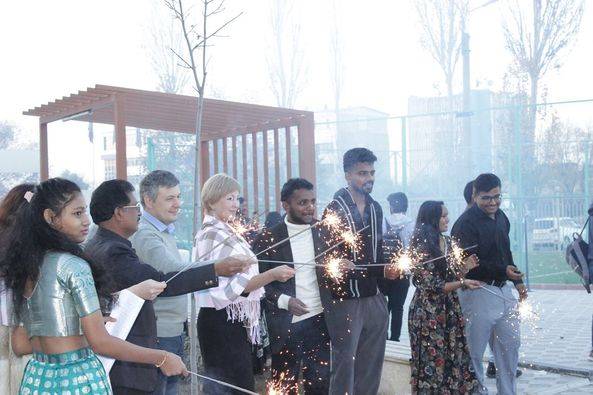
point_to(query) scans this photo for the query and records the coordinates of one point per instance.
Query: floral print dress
(441, 362)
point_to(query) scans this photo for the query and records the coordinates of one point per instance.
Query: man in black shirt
(115, 209)
(491, 319)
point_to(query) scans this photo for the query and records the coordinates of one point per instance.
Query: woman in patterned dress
(57, 292)
(440, 357)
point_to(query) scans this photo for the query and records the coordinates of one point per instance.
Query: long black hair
(426, 234)
(25, 242)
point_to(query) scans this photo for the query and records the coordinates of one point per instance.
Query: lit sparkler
(333, 268)
(350, 238)
(332, 221)
(243, 390)
(403, 263)
(527, 313)
(275, 387)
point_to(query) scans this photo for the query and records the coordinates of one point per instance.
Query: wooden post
(43, 153)
(225, 159)
(266, 173)
(245, 176)
(121, 161)
(288, 154)
(205, 162)
(234, 150)
(306, 133)
(277, 169)
(255, 179)
(215, 156)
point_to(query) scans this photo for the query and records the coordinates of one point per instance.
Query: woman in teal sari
(58, 295)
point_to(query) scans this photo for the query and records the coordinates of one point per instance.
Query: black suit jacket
(125, 268)
(279, 320)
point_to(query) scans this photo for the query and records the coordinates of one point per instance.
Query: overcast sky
(54, 48)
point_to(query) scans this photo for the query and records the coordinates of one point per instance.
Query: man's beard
(362, 189)
(294, 218)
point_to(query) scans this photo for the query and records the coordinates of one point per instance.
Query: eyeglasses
(136, 206)
(487, 198)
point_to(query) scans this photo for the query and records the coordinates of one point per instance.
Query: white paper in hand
(125, 312)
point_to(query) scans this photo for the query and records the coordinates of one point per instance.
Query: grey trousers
(358, 332)
(494, 321)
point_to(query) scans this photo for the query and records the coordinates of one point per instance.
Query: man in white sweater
(298, 332)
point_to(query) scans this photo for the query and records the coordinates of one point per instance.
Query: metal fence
(432, 154)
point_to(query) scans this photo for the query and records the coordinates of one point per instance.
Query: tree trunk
(192, 329)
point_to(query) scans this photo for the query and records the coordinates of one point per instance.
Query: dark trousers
(396, 292)
(358, 331)
(226, 352)
(307, 345)
(169, 385)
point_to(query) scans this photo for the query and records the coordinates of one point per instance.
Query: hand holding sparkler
(513, 273)
(148, 289)
(232, 265)
(522, 289)
(471, 262)
(297, 307)
(470, 284)
(401, 265)
(392, 272)
(281, 273)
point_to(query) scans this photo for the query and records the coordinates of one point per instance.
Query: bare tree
(172, 76)
(336, 63)
(286, 64)
(562, 156)
(536, 39)
(442, 24)
(197, 40)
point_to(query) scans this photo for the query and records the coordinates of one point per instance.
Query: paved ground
(559, 337)
(561, 333)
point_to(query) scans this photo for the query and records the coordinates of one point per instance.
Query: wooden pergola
(223, 123)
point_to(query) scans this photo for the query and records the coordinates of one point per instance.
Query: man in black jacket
(116, 211)
(357, 314)
(294, 311)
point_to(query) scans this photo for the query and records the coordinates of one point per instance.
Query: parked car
(554, 232)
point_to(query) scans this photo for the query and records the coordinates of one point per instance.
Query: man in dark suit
(116, 211)
(294, 312)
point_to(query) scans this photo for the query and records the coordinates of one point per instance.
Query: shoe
(491, 370)
(590, 358)
(519, 373)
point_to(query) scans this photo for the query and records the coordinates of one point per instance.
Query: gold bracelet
(158, 365)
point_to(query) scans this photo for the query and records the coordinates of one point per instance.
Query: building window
(109, 169)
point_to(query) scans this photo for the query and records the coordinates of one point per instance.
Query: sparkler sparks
(528, 313)
(403, 262)
(333, 268)
(456, 252)
(275, 387)
(332, 221)
(350, 238)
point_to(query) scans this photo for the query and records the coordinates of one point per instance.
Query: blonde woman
(228, 322)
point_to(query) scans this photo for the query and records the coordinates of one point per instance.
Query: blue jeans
(169, 385)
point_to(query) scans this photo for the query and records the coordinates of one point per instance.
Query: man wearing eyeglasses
(116, 211)
(491, 319)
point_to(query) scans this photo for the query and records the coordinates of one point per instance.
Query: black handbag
(576, 257)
